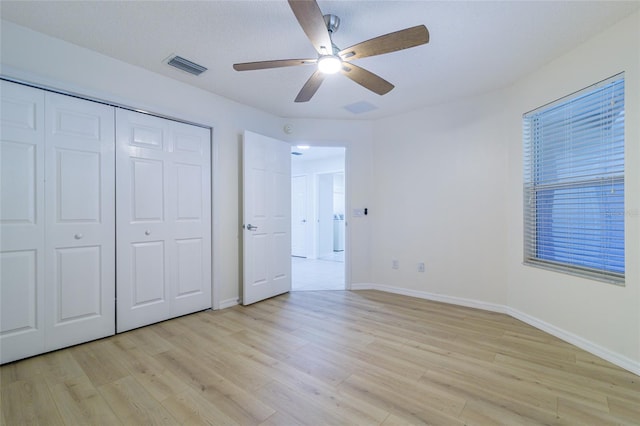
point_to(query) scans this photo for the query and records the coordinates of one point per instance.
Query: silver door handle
(250, 227)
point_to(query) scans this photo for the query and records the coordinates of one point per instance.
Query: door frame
(313, 177)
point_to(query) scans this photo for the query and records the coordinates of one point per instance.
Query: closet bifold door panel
(57, 220)
(80, 221)
(163, 219)
(21, 222)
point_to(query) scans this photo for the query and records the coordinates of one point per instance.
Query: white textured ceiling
(475, 46)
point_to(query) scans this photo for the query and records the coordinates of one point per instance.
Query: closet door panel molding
(61, 160)
(191, 215)
(141, 217)
(163, 219)
(21, 221)
(57, 277)
(80, 242)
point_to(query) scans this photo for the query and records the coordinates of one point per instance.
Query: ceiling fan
(331, 59)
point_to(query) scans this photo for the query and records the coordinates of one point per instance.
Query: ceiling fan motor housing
(332, 22)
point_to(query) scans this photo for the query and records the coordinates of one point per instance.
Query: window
(574, 183)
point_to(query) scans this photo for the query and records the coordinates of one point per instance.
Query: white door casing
(163, 219)
(22, 221)
(266, 217)
(80, 221)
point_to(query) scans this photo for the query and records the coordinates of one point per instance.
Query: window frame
(532, 189)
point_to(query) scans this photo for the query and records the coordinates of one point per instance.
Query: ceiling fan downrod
(333, 23)
(330, 62)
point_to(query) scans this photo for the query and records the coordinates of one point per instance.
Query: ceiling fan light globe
(329, 64)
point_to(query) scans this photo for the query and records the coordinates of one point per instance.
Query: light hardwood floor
(331, 357)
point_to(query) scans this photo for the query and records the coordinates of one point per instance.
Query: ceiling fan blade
(248, 66)
(366, 79)
(310, 19)
(403, 39)
(310, 87)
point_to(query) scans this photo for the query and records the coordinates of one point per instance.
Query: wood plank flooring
(323, 358)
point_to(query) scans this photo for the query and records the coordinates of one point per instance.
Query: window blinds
(574, 183)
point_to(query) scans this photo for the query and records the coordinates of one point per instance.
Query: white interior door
(299, 219)
(80, 221)
(266, 217)
(22, 277)
(325, 215)
(163, 218)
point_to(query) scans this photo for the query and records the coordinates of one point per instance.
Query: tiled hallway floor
(318, 274)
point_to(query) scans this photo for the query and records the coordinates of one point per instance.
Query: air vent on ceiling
(360, 107)
(186, 65)
(296, 153)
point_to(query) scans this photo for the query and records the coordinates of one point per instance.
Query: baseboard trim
(597, 350)
(228, 303)
(469, 303)
(593, 348)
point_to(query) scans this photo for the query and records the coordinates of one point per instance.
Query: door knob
(250, 227)
(147, 232)
(78, 236)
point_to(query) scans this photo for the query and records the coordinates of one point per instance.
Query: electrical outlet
(421, 267)
(395, 264)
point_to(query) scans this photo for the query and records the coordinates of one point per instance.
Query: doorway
(318, 218)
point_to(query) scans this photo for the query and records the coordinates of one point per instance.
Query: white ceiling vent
(186, 65)
(360, 107)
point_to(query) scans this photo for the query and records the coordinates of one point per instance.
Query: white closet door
(21, 222)
(80, 237)
(163, 219)
(190, 209)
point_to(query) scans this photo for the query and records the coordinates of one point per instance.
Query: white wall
(43, 60)
(356, 137)
(604, 315)
(440, 180)
(448, 191)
